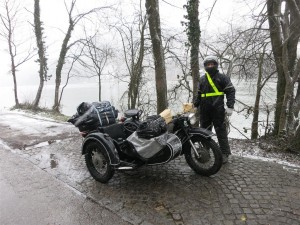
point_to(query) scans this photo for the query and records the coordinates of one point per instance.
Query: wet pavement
(245, 191)
(31, 196)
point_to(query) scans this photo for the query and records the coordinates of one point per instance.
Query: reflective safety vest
(216, 93)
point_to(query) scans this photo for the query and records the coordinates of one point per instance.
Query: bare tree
(177, 54)
(152, 7)
(193, 32)
(285, 34)
(43, 68)
(74, 58)
(73, 21)
(264, 74)
(291, 69)
(291, 65)
(183, 87)
(137, 67)
(134, 51)
(94, 58)
(274, 11)
(10, 19)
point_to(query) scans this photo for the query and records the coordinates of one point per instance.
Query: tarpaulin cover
(147, 148)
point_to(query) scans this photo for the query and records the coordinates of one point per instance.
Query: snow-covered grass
(30, 123)
(251, 149)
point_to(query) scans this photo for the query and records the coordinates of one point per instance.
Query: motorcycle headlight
(192, 118)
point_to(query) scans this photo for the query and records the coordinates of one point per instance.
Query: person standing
(210, 98)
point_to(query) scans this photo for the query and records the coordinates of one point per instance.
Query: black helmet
(211, 59)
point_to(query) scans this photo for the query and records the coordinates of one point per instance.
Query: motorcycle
(111, 148)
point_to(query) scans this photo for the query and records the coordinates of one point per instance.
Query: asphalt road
(31, 196)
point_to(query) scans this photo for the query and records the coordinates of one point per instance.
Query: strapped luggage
(90, 116)
(152, 127)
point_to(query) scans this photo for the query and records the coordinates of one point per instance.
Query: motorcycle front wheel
(209, 161)
(97, 162)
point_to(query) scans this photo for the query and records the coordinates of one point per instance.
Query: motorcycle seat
(131, 113)
(115, 131)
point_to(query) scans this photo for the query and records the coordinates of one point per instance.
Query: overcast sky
(54, 17)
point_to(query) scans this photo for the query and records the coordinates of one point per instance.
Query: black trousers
(209, 117)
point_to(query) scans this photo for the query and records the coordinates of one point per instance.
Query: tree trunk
(194, 40)
(38, 94)
(137, 72)
(291, 38)
(286, 102)
(13, 71)
(15, 84)
(274, 10)
(294, 64)
(41, 52)
(294, 119)
(99, 86)
(129, 101)
(152, 7)
(295, 141)
(293, 18)
(60, 64)
(254, 127)
(133, 89)
(12, 57)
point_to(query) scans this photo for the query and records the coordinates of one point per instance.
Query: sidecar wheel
(98, 163)
(210, 160)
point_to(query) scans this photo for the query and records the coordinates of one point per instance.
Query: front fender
(207, 134)
(107, 144)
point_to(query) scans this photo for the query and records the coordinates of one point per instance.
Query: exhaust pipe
(125, 168)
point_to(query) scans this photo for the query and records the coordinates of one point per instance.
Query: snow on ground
(33, 124)
(250, 149)
(35, 131)
(267, 159)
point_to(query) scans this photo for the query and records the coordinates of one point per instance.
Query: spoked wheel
(209, 161)
(97, 162)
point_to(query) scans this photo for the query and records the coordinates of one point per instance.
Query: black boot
(223, 142)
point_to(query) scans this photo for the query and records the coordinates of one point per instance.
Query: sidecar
(121, 146)
(105, 148)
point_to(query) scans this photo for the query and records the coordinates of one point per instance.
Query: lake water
(112, 91)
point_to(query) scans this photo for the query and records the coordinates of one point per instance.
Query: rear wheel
(209, 161)
(98, 163)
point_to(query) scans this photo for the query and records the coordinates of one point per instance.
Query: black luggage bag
(90, 116)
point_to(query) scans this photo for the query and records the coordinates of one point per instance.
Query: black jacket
(223, 84)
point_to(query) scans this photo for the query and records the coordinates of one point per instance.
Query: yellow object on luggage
(188, 107)
(167, 115)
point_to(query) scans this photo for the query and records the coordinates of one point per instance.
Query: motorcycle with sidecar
(118, 147)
